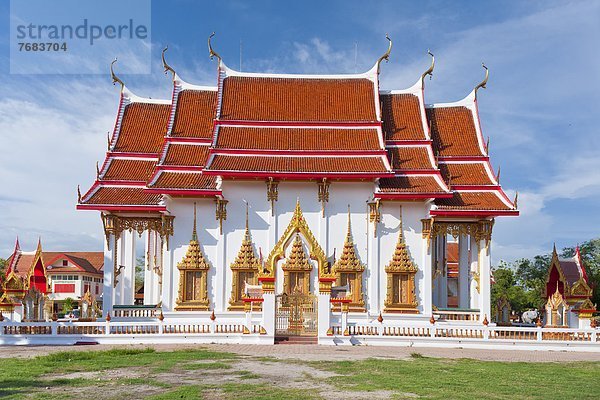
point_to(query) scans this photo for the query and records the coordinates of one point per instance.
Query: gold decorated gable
(246, 258)
(194, 258)
(297, 225)
(580, 288)
(401, 261)
(297, 260)
(556, 300)
(348, 261)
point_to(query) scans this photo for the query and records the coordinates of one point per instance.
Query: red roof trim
(185, 192)
(421, 142)
(299, 175)
(479, 213)
(128, 154)
(184, 140)
(120, 207)
(324, 124)
(476, 187)
(463, 158)
(391, 196)
(122, 183)
(424, 171)
(190, 168)
(298, 152)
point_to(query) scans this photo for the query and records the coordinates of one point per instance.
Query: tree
(69, 304)
(140, 263)
(506, 286)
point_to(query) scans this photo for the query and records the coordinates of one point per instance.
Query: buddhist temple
(295, 184)
(568, 293)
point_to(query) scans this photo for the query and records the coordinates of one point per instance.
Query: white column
(474, 294)
(268, 315)
(463, 271)
(484, 280)
(118, 290)
(374, 294)
(107, 289)
(324, 313)
(149, 269)
(128, 273)
(219, 289)
(323, 242)
(167, 296)
(427, 291)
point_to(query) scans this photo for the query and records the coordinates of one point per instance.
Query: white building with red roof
(299, 185)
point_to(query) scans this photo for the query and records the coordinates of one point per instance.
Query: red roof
(402, 119)
(194, 114)
(294, 99)
(143, 128)
(85, 261)
(453, 131)
(297, 138)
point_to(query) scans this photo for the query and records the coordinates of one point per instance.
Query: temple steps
(296, 340)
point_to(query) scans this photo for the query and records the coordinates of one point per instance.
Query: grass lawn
(125, 374)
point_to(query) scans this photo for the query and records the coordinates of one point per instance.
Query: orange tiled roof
(487, 200)
(143, 128)
(401, 116)
(185, 180)
(186, 154)
(123, 196)
(23, 264)
(410, 184)
(413, 157)
(306, 100)
(465, 173)
(90, 261)
(129, 170)
(195, 114)
(298, 164)
(297, 138)
(453, 131)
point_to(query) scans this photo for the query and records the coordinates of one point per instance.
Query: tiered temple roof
(297, 127)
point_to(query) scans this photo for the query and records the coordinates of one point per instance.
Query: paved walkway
(324, 353)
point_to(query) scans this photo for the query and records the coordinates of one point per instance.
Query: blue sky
(540, 108)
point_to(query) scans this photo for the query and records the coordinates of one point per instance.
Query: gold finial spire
(97, 170)
(484, 81)
(194, 232)
(498, 175)
(247, 229)
(487, 146)
(115, 78)
(349, 225)
(211, 52)
(78, 196)
(386, 56)
(430, 70)
(166, 66)
(108, 140)
(516, 200)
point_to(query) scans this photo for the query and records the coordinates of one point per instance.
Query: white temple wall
(387, 232)
(330, 232)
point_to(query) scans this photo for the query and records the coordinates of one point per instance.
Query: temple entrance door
(296, 315)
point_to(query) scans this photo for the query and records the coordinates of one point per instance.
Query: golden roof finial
(349, 225)
(498, 175)
(78, 196)
(166, 66)
(108, 140)
(430, 70)
(516, 199)
(194, 231)
(484, 81)
(386, 56)
(97, 170)
(247, 229)
(115, 78)
(211, 52)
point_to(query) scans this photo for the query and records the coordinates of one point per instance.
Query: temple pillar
(219, 289)
(442, 273)
(427, 291)
(463, 271)
(374, 296)
(109, 266)
(128, 273)
(484, 280)
(268, 313)
(324, 313)
(149, 275)
(474, 274)
(168, 293)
